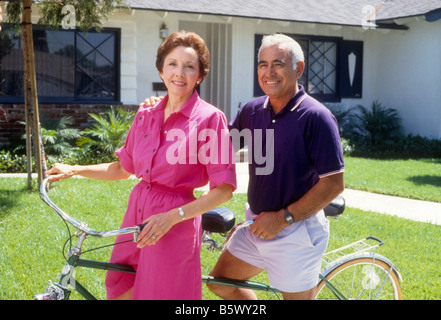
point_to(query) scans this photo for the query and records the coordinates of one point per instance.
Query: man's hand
(268, 224)
(150, 102)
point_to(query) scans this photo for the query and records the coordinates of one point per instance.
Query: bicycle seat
(218, 220)
(336, 207)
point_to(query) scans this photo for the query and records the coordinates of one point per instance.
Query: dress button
(154, 150)
(273, 121)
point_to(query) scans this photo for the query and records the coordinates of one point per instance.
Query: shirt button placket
(146, 176)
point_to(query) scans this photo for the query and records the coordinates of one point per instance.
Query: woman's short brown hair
(186, 39)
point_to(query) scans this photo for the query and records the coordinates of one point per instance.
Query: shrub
(412, 146)
(378, 127)
(57, 137)
(106, 135)
(12, 163)
(377, 132)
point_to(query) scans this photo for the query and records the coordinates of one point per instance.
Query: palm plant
(378, 126)
(57, 137)
(107, 134)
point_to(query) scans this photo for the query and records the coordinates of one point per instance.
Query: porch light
(163, 32)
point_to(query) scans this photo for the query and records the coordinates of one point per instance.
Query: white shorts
(292, 258)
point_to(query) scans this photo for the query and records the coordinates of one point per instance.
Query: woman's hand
(102, 171)
(60, 171)
(157, 226)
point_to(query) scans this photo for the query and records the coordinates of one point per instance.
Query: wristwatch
(288, 216)
(181, 213)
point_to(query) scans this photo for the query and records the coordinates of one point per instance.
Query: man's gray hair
(284, 42)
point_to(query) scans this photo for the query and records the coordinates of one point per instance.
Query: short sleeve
(324, 144)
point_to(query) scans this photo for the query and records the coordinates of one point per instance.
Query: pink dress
(173, 158)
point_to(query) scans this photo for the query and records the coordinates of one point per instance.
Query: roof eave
(381, 25)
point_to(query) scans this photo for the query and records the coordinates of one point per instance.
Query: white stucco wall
(407, 75)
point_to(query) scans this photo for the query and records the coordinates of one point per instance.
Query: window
(71, 67)
(333, 67)
(322, 67)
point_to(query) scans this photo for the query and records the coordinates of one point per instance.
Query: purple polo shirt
(303, 140)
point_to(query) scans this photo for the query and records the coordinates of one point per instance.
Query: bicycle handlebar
(77, 223)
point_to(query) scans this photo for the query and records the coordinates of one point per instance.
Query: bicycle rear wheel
(361, 279)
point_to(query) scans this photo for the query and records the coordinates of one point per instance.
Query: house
(356, 52)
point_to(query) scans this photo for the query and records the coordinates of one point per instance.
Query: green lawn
(32, 236)
(416, 179)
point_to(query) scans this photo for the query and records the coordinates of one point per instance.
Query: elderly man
(290, 232)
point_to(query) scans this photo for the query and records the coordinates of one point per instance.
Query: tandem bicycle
(352, 272)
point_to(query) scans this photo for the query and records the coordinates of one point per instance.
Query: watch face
(181, 213)
(288, 217)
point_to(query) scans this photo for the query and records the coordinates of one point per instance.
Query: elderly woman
(168, 149)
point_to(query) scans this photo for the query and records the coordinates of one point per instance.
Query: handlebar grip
(136, 233)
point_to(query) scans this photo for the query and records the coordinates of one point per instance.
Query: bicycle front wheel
(361, 279)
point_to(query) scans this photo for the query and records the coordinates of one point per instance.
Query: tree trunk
(30, 84)
(28, 145)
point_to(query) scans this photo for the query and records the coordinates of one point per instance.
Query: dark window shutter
(351, 69)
